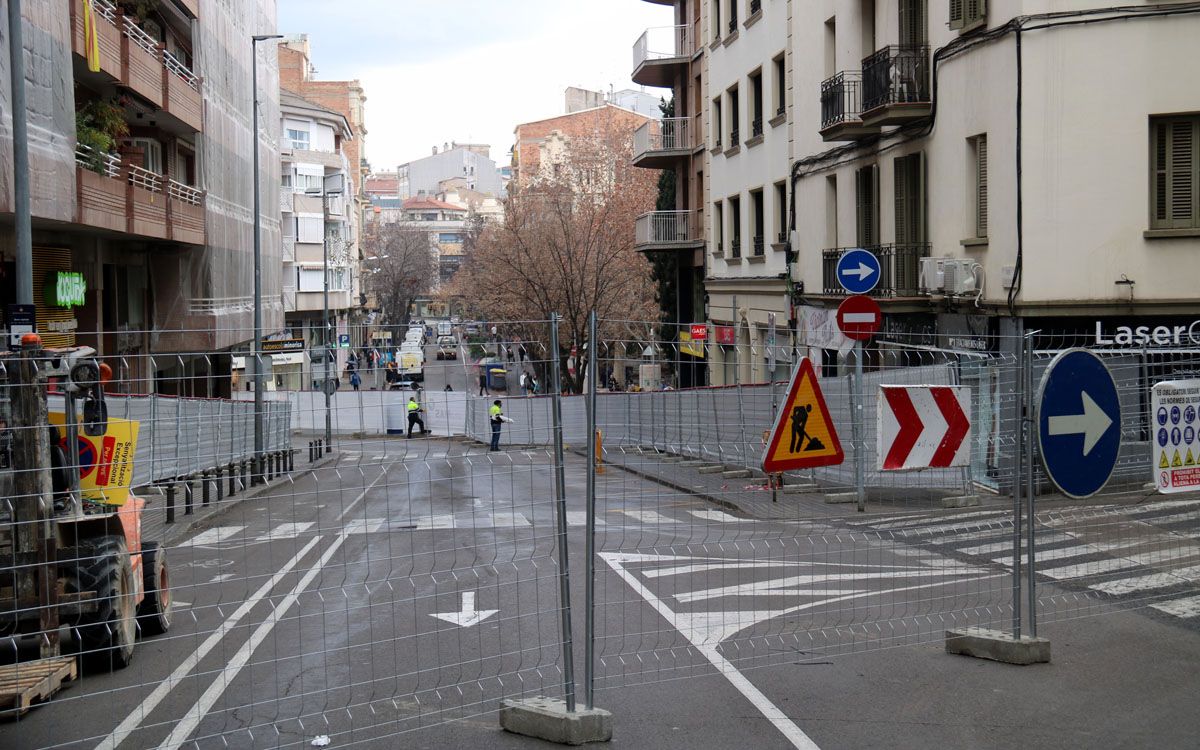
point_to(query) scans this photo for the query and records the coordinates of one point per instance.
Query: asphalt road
(409, 588)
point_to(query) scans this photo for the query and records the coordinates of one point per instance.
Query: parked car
(447, 352)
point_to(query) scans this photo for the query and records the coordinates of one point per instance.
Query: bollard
(187, 496)
(290, 457)
(204, 488)
(269, 460)
(232, 479)
(244, 472)
(220, 485)
(599, 452)
(170, 503)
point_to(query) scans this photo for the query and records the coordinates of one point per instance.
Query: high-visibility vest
(494, 412)
(413, 407)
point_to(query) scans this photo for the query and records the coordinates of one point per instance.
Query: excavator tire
(106, 636)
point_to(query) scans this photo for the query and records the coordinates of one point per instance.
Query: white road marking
(221, 578)
(215, 536)
(1148, 582)
(167, 686)
(467, 616)
(507, 520)
(192, 717)
(1189, 607)
(579, 518)
(714, 515)
(940, 520)
(647, 516)
(285, 531)
(365, 525)
(1083, 570)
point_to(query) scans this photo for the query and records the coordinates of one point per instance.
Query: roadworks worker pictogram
(803, 435)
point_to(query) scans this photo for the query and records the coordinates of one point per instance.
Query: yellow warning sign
(1163, 463)
(1176, 462)
(803, 435)
(106, 461)
(1189, 460)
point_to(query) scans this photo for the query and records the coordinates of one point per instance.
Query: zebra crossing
(238, 534)
(1144, 554)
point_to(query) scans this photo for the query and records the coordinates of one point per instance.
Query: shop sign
(725, 335)
(283, 345)
(1143, 336)
(699, 332)
(65, 289)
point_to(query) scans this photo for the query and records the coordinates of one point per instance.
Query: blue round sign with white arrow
(858, 271)
(1079, 423)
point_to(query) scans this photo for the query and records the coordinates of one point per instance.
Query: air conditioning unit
(950, 276)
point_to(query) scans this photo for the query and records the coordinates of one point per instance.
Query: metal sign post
(860, 474)
(560, 506)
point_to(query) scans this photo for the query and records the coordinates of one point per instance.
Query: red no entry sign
(859, 317)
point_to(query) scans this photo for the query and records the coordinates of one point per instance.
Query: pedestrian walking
(497, 418)
(524, 383)
(355, 380)
(483, 389)
(414, 415)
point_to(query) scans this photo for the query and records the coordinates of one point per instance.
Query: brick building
(535, 141)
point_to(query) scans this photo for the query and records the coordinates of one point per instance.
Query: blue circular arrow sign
(1079, 422)
(858, 271)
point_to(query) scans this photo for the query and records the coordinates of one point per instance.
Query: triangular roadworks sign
(803, 436)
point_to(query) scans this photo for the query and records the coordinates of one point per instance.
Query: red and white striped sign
(923, 426)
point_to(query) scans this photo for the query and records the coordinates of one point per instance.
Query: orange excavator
(69, 559)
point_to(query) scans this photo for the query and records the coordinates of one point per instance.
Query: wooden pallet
(22, 685)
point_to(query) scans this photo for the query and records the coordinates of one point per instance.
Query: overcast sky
(467, 70)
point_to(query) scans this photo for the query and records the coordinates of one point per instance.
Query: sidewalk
(154, 517)
(799, 499)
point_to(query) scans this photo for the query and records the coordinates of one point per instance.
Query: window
(979, 201)
(152, 158)
(831, 222)
(781, 211)
(966, 15)
(780, 85)
(307, 182)
(910, 199)
(718, 228)
(429, 217)
(310, 229)
(716, 20)
(734, 136)
(760, 220)
(310, 280)
(285, 182)
(717, 122)
(830, 48)
(866, 205)
(1175, 172)
(449, 238)
(298, 138)
(735, 227)
(756, 104)
(733, 16)
(913, 26)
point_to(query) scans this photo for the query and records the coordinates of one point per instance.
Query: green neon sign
(65, 289)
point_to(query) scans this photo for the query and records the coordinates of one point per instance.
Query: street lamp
(259, 446)
(332, 184)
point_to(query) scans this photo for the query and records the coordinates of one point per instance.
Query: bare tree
(399, 268)
(566, 246)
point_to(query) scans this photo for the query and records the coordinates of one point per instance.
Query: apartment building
(541, 144)
(674, 57)
(1016, 167)
(141, 183)
(318, 220)
(748, 139)
(1013, 168)
(443, 220)
(468, 162)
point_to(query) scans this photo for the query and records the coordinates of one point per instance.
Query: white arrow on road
(862, 272)
(468, 616)
(1093, 423)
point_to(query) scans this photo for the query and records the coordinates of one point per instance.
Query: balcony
(289, 249)
(185, 213)
(658, 144)
(142, 59)
(181, 93)
(287, 200)
(147, 212)
(896, 86)
(100, 193)
(108, 36)
(668, 230)
(899, 269)
(841, 108)
(660, 54)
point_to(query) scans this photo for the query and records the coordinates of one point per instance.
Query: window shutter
(901, 182)
(975, 12)
(956, 14)
(981, 187)
(1182, 183)
(1161, 175)
(912, 23)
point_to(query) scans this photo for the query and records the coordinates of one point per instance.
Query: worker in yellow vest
(497, 418)
(414, 415)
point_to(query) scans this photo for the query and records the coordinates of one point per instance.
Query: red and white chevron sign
(923, 426)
